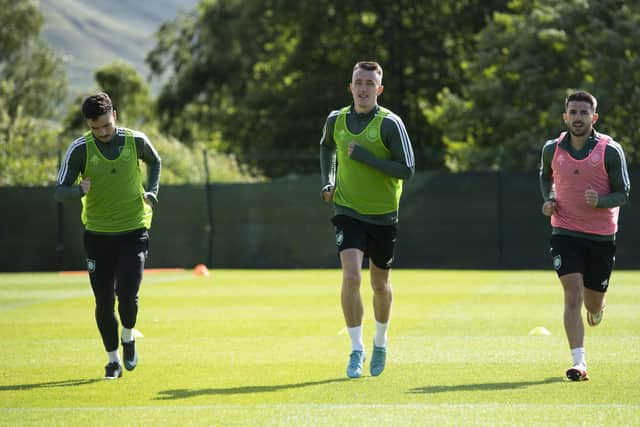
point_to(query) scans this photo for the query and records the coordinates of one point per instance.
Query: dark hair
(581, 96)
(369, 66)
(96, 105)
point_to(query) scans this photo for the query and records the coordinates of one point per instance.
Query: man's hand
(326, 194)
(591, 197)
(85, 184)
(351, 147)
(549, 207)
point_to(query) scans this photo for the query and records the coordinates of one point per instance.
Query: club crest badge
(125, 154)
(339, 238)
(372, 133)
(557, 262)
(91, 265)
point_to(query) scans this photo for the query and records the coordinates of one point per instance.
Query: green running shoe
(130, 355)
(356, 360)
(378, 360)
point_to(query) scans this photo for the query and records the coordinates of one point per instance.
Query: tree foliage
(265, 74)
(181, 164)
(527, 60)
(32, 87)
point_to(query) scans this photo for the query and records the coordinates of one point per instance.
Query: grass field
(255, 347)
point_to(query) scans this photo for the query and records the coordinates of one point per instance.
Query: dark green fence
(472, 220)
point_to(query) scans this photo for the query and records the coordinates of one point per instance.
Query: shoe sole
(375, 373)
(591, 321)
(574, 374)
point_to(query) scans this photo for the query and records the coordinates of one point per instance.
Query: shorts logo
(91, 265)
(389, 262)
(604, 284)
(557, 262)
(339, 238)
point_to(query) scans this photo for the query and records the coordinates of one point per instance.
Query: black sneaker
(112, 371)
(130, 355)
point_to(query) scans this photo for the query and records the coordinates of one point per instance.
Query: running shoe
(577, 373)
(112, 371)
(378, 360)
(595, 319)
(130, 355)
(356, 360)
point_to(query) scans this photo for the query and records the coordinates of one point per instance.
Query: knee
(351, 279)
(127, 298)
(104, 310)
(573, 302)
(381, 286)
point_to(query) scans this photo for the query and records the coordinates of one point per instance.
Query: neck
(578, 142)
(364, 111)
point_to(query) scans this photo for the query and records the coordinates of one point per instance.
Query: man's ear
(596, 116)
(380, 90)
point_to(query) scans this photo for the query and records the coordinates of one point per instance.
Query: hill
(93, 33)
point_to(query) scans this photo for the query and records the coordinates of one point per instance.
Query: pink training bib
(571, 178)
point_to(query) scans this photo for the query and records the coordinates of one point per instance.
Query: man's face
(103, 127)
(579, 118)
(365, 87)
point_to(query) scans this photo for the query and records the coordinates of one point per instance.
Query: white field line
(294, 406)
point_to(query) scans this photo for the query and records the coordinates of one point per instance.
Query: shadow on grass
(49, 384)
(185, 393)
(484, 386)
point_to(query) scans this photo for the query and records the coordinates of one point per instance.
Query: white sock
(356, 338)
(578, 356)
(114, 356)
(127, 335)
(380, 340)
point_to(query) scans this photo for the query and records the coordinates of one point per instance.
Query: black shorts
(591, 258)
(376, 241)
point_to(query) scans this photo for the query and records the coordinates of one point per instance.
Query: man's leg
(101, 267)
(574, 327)
(382, 298)
(351, 260)
(133, 253)
(352, 308)
(594, 302)
(382, 293)
(596, 279)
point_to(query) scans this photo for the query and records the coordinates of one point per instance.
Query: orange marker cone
(201, 270)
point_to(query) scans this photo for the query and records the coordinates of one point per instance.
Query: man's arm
(619, 182)
(148, 154)
(546, 173)
(395, 138)
(328, 152)
(72, 165)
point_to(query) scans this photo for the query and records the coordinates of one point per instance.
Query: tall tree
(32, 88)
(266, 73)
(526, 62)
